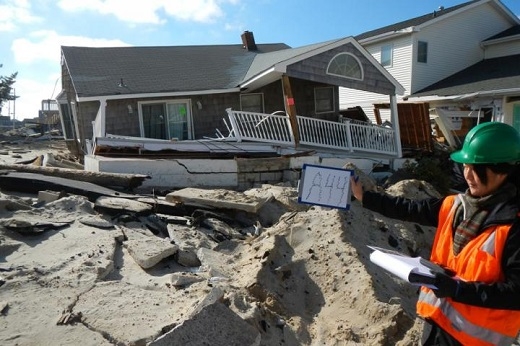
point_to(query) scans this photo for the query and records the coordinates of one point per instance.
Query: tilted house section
(181, 93)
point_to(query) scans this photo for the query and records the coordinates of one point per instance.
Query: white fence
(275, 128)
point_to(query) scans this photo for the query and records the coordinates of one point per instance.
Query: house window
(386, 55)
(422, 51)
(67, 120)
(252, 103)
(345, 65)
(324, 99)
(166, 120)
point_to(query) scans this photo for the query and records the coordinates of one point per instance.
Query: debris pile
(202, 267)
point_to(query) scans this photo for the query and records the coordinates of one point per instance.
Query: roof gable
(269, 67)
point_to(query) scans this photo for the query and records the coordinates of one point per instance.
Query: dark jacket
(499, 295)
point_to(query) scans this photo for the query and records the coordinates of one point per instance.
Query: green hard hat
(490, 142)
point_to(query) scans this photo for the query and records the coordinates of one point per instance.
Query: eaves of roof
(490, 76)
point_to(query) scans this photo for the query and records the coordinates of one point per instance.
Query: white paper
(399, 264)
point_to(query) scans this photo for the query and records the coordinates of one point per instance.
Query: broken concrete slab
(39, 313)
(183, 279)
(148, 251)
(215, 324)
(161, 206)
(13, 203)
(97, 221)
(217, 264)
(106, 309)
(217, 198)
(116, 205)
(189, 241)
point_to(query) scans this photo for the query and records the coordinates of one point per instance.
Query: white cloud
(203, 11)
(31, 93)
(194, 10)
(45, 45)
(15, 12)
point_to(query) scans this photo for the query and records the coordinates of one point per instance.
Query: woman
(477, 238)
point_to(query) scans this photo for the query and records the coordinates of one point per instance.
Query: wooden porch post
(290, 108)
(394, 115)
(103, 109)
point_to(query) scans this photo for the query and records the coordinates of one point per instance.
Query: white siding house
(455, 40)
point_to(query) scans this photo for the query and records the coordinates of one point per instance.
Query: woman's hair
(512, 171)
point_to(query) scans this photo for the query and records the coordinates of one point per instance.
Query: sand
(303, 278)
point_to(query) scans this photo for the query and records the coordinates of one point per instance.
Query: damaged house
(458, 65)
(122, 106)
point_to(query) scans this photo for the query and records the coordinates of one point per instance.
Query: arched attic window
(345, 65)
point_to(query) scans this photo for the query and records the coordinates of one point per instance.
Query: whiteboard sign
(325, 186)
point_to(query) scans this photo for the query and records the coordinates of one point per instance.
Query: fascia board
(150, 95)
(386, 36)
(512, 38)
(257, 77)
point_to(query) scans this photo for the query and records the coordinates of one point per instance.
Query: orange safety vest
(480, 260)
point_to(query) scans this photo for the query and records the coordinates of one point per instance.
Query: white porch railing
(274, 128)
(270, 128)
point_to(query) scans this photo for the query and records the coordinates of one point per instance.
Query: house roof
(497, 75)
(138, 70)
(512, 31)
(118, 71)
(439, 14)
(410, 22)
(149, 70)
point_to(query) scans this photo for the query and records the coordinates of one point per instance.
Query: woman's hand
(356, 188)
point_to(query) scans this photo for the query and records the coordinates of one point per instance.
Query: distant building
(49, 114)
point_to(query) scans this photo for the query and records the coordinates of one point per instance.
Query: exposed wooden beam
(290, 108)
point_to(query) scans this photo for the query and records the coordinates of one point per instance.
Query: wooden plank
(290, 108)
(217, 198)
(126, 181)
(32, 183)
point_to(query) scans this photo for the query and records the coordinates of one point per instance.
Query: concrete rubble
(239, 269)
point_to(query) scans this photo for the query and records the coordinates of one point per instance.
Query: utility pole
(14, 108)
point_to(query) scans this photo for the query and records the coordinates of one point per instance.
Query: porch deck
(261, 135)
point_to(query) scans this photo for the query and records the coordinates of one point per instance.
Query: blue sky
(32, 31)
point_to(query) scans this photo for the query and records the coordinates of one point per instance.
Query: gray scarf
(473, 211)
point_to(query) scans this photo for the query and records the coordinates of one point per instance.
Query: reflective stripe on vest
(489, 244)
(460, 324)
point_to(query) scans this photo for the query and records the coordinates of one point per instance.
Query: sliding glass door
(166, 120)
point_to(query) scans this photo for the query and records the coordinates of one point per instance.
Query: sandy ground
(303, 278)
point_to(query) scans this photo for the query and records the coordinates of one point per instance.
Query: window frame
(332, 100)
(261, 106)
(388, 49)
(335, 59)
(168, 117)
(422, 52)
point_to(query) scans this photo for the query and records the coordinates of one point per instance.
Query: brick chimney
(248, 40)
